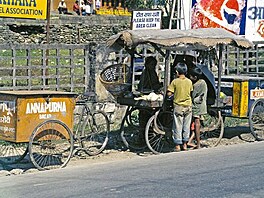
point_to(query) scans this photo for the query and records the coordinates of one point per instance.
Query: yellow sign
(32, 9)
(240, 99)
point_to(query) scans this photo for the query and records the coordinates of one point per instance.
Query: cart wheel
(158, 132)
(131, 133)
(212, 128)
(256, 119)
(94, 134)
(11, 153)
(51, 145)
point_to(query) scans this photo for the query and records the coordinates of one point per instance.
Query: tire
(256, 119)
(94, 136)
(51, 145)
(132, 134)
(212, 128)
(158, 132)
(11, 153)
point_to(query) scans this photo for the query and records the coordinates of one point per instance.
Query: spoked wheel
(256, 119)
(11, 153)
(133, 128)
(158, 132)
(212, 128)
(51, 145)
(94, 134)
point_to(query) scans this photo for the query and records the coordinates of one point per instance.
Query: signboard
(32, 9)
(256, 93)
(255, 20)
(146, 19)
(228, 14)
(242, 17)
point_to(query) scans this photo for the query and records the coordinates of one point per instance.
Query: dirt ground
(116, 150)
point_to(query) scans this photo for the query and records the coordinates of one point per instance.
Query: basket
(115, 79)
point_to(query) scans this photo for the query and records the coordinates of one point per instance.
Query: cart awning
(192, 39)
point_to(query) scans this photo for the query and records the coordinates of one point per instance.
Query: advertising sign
(241, 17)
(255, 20)
(32, 9)
(146, 19)
(228, 14)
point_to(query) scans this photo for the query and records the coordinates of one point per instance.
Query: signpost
(146, 19)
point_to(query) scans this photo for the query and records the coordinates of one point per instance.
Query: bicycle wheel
(51, 145)
(132, 128)
(94, 134)
(212, 128)
(11, 153)
(256, 119)
(158, 132)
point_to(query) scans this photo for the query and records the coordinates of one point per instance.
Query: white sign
(255, 20)
(146, 19)
(256, 94)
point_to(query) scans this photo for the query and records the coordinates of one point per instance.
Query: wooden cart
(166, 43)
(244, 99)
(39, 123)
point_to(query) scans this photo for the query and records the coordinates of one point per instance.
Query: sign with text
(146, 19)
(32, 9)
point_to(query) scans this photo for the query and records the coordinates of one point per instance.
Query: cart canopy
(192, 39)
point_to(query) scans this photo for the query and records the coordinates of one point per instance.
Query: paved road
(226, 171)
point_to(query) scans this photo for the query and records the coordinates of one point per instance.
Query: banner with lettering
(255, 20)
(146, 19)
(31, 9)
(228, 14)
(242, 17)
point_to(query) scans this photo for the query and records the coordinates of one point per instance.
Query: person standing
(199, 107)
(181, 89)
(149, 82)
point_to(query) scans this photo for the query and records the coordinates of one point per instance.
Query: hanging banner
(31, 9)
(146, 19)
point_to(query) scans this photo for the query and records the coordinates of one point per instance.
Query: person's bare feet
(177, 148)
(184, 147)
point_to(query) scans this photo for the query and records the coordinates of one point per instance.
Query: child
(181, 87)
(199, 108)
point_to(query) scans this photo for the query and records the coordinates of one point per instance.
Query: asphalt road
(226, 171)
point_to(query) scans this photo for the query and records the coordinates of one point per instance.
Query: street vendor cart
(243, 98)
(38, 122)
(41, 124)
(170, 43)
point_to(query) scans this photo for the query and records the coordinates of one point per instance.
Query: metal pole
(219, 74)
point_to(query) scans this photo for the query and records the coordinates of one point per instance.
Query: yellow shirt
(182, 88)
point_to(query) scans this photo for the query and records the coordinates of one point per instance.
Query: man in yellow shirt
(181, 88)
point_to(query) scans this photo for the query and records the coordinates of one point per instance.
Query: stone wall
(63, 29)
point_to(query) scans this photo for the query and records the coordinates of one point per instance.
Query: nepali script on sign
(147, 19)
(32, 9)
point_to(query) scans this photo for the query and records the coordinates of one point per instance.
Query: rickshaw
(170, 44)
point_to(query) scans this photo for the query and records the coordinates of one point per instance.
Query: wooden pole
(48, 41)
